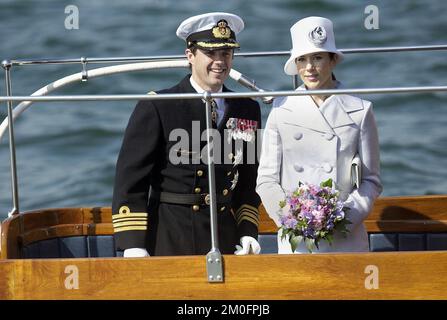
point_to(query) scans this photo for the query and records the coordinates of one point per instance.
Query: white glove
(135, 253)
(249, 245)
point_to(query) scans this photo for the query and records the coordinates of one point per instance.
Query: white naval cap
(211, 31)
(310, 35)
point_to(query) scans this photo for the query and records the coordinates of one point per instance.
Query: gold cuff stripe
(255, 215)
(129, 223)
(249, 219)
(249, 207)
(129, 215)
(129, 219)
(248, 214)
(134, 228)
(246, 207)
(217, 45)
(244, 211)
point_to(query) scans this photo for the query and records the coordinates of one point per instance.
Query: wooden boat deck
(400, 275)
(374, 275)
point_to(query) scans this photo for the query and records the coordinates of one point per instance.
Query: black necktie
(214, 111)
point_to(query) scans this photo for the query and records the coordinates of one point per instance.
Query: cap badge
(318, 36)
(222, 31)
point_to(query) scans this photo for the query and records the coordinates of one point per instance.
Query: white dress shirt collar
(198, 88)
(219, 101)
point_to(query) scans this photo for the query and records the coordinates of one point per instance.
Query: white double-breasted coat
(303, 142)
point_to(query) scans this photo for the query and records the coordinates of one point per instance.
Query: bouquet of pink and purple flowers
(313, 214)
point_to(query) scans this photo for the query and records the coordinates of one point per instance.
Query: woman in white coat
(314, 138)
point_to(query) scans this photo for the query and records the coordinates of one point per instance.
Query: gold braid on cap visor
(217, 45)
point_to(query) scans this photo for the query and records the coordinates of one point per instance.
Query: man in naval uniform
(161, 201)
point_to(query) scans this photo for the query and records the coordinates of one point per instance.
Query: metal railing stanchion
(6, 64)
(214, 264)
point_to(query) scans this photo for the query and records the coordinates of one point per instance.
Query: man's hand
(249, 245)
(136, 253)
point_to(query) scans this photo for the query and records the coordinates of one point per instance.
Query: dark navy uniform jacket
(145, 169)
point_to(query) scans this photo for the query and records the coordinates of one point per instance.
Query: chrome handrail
(24, 62)
(226, 95)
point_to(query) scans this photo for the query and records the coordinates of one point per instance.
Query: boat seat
(413, 223)
(71, 247)
(379, 242)
(407, 241)
(104, 246)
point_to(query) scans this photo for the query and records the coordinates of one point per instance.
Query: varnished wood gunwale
(395, 214)
(417, 275)
(390, 214)
(36, 225)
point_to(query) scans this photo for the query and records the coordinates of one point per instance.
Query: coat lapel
(304, 113)
(336, 111)
(228, 105)
(338, 108)
(196, 106)
(185, 85)
(333, 113)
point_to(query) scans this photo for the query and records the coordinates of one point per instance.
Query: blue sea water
(66, 152)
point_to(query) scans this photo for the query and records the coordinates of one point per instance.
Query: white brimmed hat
(310, 35)
(211, 31)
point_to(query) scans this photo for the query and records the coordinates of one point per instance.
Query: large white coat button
(327, 167)
(298, 135)
(328, 136)
(298, 168)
